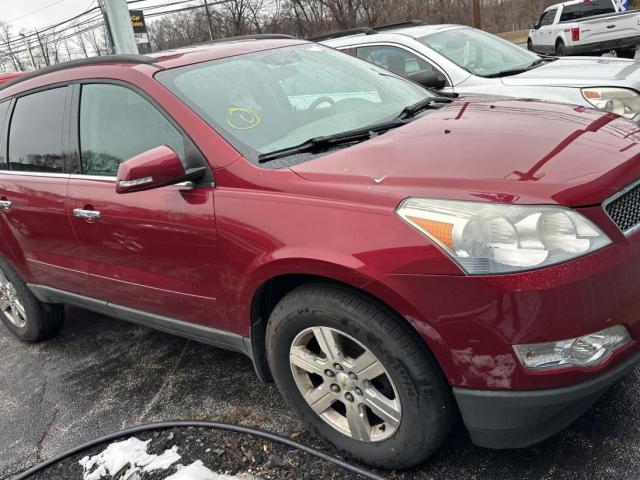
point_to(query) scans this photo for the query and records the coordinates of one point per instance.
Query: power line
(50, 27)
(194, 7)
(18, 45)
(35, 11)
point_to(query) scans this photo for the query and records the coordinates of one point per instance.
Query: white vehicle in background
(456, 59)
(589, 27)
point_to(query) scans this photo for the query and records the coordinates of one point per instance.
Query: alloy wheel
(345, 384)
(10, 304)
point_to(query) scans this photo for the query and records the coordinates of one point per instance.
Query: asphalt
(100, 375)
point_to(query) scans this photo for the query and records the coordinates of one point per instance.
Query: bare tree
(94, 37)
(305, 18)
(5, 36)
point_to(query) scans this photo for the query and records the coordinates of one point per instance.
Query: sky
(30, 14)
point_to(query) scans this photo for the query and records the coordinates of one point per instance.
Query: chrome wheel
(345, 384)
(10, 304)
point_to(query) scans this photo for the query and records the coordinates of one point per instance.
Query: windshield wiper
(318, 144)
(516, 71)
(427, 103)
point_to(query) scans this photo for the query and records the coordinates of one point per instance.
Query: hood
(570, 72)
(498, 149)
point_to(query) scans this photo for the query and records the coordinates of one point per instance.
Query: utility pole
(44, 54)
(119, 22)
(26, 44)
(107, 30)
(477, 19)
(206, 7)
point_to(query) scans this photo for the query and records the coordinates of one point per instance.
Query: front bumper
(516, 419)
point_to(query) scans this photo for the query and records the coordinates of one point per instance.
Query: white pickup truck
(588, 27)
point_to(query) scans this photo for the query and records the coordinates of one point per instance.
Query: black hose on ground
(350, 466)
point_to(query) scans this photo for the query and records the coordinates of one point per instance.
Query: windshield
(275, 99)
(478, 52)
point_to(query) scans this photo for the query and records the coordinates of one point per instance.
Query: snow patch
(129, 456)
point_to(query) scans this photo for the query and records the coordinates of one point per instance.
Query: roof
(340, 38)
(417, 32)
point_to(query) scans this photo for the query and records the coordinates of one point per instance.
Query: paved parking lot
(101, 374)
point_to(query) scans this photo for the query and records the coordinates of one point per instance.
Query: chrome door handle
(88, 214)
(5, 204)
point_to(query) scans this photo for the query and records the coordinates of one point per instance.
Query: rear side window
(117, 123)
(35, 136)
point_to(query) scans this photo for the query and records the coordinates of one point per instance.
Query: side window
(117, 123)
(548, 17)
(396, 59)
(35, 136)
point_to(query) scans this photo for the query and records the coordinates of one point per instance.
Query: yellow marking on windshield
(242, 118)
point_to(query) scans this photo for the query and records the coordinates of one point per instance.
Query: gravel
(244, 456)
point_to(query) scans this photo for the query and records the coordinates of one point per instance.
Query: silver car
(463, 60)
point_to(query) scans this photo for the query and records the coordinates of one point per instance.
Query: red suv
(390, 258)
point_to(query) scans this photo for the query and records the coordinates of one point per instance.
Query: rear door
(33, 190)
(152, 252)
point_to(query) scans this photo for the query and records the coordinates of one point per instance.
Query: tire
(28, 319)
(411, 378)
(530, 45)
(560, 49)
(626, 53)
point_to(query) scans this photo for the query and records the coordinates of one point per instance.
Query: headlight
(485, 238)
(585, 351)
(621, 101)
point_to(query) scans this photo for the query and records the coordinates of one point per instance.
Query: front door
(545, 37)
(153, 251)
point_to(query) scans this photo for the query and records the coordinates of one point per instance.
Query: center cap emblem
(344, 381)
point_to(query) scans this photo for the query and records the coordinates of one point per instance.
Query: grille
(625, 209)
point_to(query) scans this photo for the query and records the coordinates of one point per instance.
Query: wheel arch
(271, 291)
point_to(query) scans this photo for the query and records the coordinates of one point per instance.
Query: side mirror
(533, 26)
(154, 168)
(429, 79)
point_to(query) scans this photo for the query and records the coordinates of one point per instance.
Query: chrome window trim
(614, 197)
(79, 176)
(106, 178)
(35, 174)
